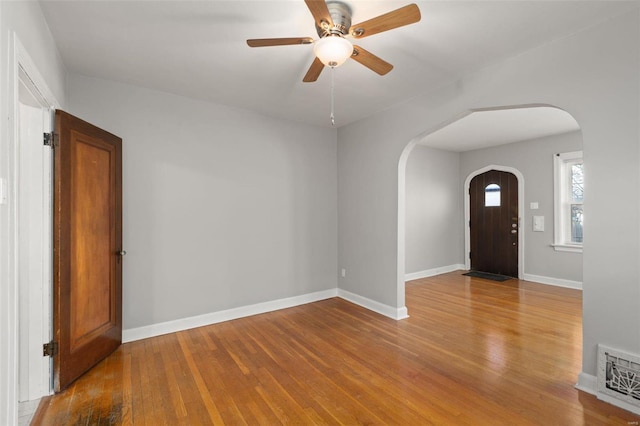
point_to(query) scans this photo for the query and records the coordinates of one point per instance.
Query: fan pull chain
(332, 116)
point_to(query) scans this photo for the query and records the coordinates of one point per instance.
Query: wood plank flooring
(473, 352)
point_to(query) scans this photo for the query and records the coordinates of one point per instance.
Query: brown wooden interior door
(87, 289)
(494, 223)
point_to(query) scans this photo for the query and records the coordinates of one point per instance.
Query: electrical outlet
(343, 272)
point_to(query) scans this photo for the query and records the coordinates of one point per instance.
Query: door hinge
(50, 349)
(50, 139)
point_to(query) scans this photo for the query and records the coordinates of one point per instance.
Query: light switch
(533, 205)
(538, 223)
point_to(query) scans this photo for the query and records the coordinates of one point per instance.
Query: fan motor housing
(341, 16)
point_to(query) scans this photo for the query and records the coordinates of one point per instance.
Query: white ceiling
(483, 129)
(197, 48)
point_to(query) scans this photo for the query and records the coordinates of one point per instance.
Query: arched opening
(504, 138)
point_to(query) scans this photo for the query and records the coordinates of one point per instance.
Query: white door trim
(20, 65)
(467, 213)
(34, 236)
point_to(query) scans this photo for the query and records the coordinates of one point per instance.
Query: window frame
(562, 201)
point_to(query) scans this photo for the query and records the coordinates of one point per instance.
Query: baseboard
(181, 324)
(372, 305)
(558, 282)
(433, 272)
(587, 383)
(153, 330)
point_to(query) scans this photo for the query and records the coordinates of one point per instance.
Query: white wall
(21, 22)
(594, 75)
(222, 207)
(26, 21)
(534, 159)
(434, 216)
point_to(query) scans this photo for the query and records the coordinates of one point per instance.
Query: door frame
(467, 213)
(21, 66)
(35, 269)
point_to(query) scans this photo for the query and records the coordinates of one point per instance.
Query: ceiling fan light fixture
(333, 50)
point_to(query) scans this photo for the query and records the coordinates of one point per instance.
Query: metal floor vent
(618, 375)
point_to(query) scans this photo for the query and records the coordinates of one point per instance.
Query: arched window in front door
(492, 195)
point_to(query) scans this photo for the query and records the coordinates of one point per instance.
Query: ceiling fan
(333, 25)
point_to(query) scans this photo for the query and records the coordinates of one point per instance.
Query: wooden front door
(87, 289)
(494, 223)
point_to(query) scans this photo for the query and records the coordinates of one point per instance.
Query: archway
(548, 131)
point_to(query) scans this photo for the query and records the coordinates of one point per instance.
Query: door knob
(121, 253)
(513, 231)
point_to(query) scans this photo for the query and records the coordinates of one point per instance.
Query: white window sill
(572, 248)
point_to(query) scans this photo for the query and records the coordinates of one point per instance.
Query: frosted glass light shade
(333, 50)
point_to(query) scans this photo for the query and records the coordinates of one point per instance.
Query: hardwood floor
(473, 352)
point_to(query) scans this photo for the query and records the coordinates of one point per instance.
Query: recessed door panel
(91, 244)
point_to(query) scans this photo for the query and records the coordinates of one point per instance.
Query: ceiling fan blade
(314, 71)
(320, 13)
(406, 15)
(371, 61)
(263, 42)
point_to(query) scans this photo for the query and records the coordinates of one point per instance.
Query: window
(492, 195)
(569, 195)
